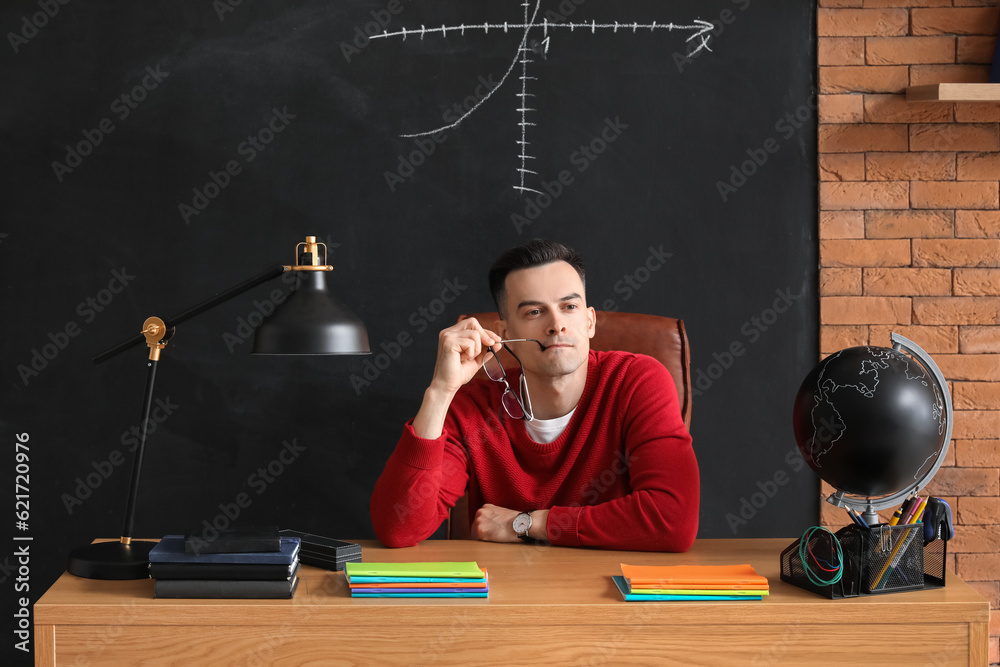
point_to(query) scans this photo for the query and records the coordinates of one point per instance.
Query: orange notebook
(702, 587)
(704, 576)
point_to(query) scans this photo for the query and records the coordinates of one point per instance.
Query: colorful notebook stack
(643, 583)
(245, 574)
(417, 580)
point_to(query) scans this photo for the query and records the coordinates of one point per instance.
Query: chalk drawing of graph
(698, 40)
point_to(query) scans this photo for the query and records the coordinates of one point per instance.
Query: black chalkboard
(157, 152)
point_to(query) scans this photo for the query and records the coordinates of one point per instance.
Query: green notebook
(468, 570)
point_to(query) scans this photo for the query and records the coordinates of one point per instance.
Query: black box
(324, 552)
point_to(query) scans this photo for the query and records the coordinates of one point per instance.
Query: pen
(908, 518)
(901, 512)
(904, 511)
(896, 515)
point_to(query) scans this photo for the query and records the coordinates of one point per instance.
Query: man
(588, 450)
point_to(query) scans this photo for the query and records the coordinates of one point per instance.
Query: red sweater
(623, 474)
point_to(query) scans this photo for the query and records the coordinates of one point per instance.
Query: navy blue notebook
(171, 550)
(180, 588)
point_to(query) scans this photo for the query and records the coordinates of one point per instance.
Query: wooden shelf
(954, 92)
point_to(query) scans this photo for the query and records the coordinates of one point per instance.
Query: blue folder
(171, 550)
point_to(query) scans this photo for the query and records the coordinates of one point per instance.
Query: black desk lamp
(310, 321)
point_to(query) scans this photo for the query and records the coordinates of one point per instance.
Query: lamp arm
(220, 297)
(133, 487)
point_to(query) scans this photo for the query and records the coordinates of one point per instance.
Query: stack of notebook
(418, 580)
(641, 583)
(242, 574)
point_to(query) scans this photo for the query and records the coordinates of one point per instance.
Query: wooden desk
(547, 605)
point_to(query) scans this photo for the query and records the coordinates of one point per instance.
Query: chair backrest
(663, 338)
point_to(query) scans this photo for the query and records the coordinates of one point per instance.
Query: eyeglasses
(517, 408)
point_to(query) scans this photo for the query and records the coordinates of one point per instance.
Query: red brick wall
(909, 230)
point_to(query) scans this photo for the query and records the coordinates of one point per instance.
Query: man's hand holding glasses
(462, 350)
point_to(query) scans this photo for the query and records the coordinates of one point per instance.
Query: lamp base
(111, 560)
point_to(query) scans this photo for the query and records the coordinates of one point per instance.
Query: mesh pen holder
(883, 559)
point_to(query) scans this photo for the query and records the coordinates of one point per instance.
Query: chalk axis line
(699, 34)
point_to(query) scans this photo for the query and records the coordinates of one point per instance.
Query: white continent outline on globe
(826, 387)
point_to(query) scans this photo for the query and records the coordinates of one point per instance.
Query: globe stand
(868, 507)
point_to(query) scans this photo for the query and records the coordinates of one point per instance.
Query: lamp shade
(312, 321)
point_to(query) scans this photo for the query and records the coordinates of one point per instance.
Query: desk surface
(565, 594)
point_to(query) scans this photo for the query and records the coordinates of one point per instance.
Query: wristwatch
(522, 524)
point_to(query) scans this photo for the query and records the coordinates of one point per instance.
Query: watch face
(521, 524)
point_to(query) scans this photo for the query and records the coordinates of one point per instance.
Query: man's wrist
(539, 526)
(429, 421)
(436, 394)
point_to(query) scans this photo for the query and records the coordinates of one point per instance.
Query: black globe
(869, 420)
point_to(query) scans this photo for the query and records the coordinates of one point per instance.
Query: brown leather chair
(662, 338)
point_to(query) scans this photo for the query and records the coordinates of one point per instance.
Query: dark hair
(536, 252)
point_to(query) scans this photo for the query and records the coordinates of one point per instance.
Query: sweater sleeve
(422, 479)
(661, 512)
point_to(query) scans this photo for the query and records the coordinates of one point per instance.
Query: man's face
(548, 303)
